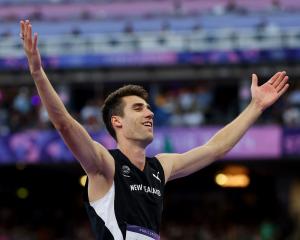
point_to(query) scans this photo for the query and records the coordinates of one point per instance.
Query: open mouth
(148, 124)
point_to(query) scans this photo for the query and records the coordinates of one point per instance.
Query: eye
(138, 108)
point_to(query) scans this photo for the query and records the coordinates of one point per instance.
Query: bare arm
(180, 165)
(93, 157)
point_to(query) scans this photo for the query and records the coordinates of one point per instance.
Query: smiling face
(137, 121)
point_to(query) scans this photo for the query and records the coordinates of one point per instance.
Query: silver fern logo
(125, 171)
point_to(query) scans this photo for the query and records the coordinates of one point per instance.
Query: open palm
(30, 46)
(266, 94)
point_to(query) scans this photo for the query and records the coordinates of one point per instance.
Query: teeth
(148, 124)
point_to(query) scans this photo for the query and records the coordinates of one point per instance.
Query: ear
(116, 121)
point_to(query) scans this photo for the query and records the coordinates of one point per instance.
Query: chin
(148, 139)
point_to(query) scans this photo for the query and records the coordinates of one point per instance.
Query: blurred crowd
(200, 222)
(186, 106)
(21, 108)
(172, 231)
(36, 227)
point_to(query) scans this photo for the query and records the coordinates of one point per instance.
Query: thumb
(254, 80)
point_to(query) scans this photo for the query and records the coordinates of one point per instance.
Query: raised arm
(180, 165)
(93, 157)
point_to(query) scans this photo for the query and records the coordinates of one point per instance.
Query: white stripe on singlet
(105, 209)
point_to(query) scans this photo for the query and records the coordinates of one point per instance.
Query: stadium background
(196, 59)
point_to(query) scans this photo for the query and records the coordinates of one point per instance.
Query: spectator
(91, 116)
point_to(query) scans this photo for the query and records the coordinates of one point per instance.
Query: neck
(134, 152)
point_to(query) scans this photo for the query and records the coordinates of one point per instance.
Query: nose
(149, 113)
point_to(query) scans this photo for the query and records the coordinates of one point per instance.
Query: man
(125, 189)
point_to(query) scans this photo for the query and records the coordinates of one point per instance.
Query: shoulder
(166, 160)
(113, 152)
(154, 162)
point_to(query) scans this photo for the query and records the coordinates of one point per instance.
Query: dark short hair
(114, 104)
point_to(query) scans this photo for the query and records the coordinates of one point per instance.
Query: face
(137, 122)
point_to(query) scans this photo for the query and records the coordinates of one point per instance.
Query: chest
(139, 185)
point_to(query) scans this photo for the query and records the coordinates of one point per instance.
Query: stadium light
(233, 176)
(22, 193)
(82, 180)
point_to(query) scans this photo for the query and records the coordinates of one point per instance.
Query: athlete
(125, 188)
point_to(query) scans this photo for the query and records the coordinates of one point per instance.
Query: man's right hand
(30, 46)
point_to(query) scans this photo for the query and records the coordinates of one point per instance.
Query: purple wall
(47, 146)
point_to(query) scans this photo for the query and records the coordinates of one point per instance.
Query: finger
(254, 80)
(35, 41)
(274, 78)
(25, 32)
(26, 28)
(21, 34)
(282, 83)
(283, 90)
(26, 36)
(29, 35)
(22, 27)
(279, 79)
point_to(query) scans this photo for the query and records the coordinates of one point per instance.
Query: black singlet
(132, 208)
